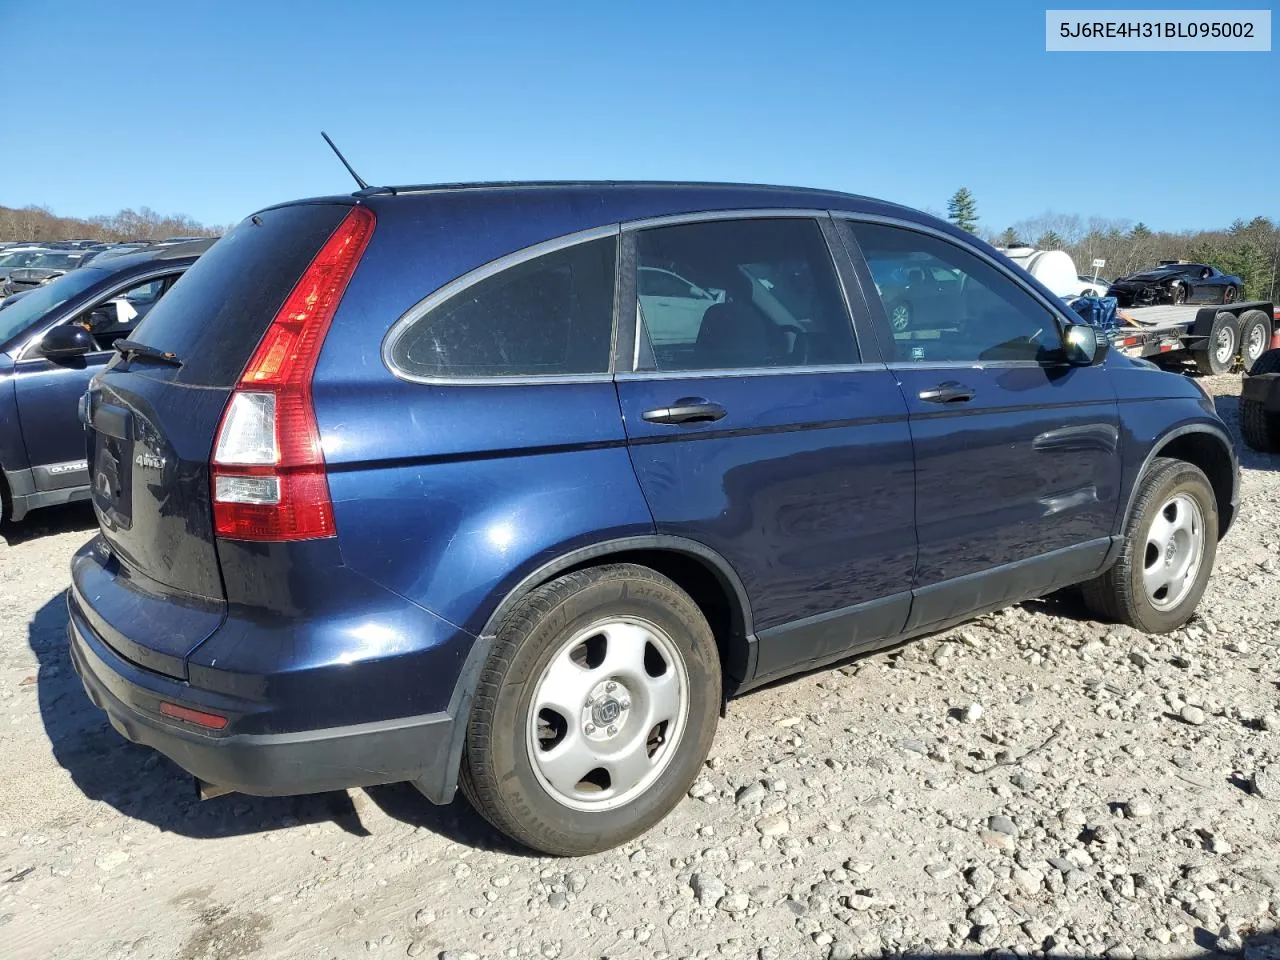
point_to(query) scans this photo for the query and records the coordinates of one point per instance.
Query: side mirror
(1083, 346)
(68, 340)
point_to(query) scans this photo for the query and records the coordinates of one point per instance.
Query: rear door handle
(948, 392)
(685, 410)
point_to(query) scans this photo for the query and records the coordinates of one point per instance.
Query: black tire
(1230, 294)
(1215, 355)
(1119, 593)
(498, 775)
(1255, 337)
(1179, 294)
(1261, 429)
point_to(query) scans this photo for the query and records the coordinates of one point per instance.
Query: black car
(1176, 283)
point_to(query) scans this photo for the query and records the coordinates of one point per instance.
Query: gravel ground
(1030, 782)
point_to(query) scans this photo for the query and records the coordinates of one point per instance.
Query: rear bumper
(413, 748)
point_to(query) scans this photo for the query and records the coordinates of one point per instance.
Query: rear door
(1017, 453)
(760, 432)
(153, 425)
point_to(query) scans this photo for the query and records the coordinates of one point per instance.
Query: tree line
(1248, 249)
(41, 224)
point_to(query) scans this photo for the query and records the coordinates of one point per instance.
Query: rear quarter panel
(449, 495)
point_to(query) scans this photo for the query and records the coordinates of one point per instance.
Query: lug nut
(624, 704)
(591, 728)
(611, 686)
(612, 730)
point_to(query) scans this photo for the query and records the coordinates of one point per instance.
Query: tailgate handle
(113, 421)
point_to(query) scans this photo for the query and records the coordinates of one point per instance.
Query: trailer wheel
(1255, 335)
(1261, 429)
(1218, 351)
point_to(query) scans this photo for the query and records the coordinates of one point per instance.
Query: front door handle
(685, 410)
(948, 392)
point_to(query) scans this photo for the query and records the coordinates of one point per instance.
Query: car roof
(608, 201)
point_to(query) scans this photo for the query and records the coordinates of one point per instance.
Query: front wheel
(1171, 540)
(595, 712)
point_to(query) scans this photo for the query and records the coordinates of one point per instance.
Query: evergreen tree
(962, 210)
(1140, 231)
(1008, 239)
(1049, 240)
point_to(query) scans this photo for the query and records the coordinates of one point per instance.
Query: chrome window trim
(141, 278)
(1059, 313)
(701, 216)
(483, 272)
(746, 372)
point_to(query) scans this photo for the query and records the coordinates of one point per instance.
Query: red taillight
(268, 470)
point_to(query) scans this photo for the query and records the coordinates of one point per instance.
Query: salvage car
(42, 269)
(1176, 283)
(379, 503)
(53, 339)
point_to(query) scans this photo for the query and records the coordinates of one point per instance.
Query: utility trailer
(1213, 336)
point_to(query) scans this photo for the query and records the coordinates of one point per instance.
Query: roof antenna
(334, 147)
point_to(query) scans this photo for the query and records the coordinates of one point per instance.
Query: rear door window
(547, 316)
(770, 296)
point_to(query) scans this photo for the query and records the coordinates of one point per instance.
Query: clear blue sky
(213, 109)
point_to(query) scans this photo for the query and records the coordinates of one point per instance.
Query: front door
(49, 391)
(1017, 452)
(755, 430)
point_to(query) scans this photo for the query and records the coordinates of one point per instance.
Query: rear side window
(549, 316)
(215, 315)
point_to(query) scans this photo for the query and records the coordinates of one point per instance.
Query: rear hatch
(152, 428)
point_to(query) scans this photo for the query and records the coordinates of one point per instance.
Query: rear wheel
(1230, 294)
(1218, 351)
(1255, 335)
(595, 712)
(1261, 429)
(1170, 543)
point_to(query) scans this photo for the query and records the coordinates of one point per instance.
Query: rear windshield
(217, 312)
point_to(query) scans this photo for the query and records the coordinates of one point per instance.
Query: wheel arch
(697, 569)
(700, 571)
(1206, 447)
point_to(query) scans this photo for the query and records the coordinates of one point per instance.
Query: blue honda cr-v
(513, 484)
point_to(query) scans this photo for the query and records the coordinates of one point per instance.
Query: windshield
(31, 308)
(56, 261)
(19, 259)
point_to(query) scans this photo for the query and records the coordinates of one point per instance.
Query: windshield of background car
(56, 261)
(31, 308)
(19, 259)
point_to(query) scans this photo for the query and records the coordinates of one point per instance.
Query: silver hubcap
(1226, 345)
(1174, 550)
(901, 317)
(1257, 340)
(607, 714)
